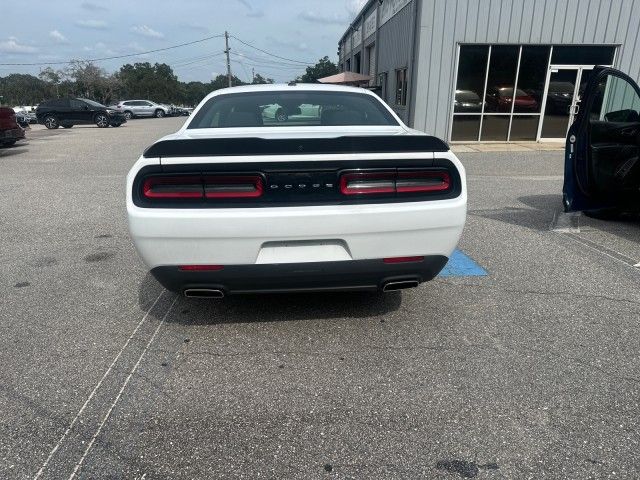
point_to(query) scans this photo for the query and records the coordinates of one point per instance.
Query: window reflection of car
(467, 101)
(559, 97)
(499, 99)
(291, 113)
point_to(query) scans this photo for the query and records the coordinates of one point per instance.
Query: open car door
(602, 165)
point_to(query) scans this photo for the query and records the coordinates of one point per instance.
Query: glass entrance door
(564, 87)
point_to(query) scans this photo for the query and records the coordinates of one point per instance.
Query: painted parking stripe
(461, 265)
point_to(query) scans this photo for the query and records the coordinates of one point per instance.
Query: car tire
(128, 115)
(51, 122)
(281, 116)
(101, 120)
(159, 113)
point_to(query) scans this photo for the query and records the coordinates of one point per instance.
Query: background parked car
(67, 112)
(10, 131)
(142, 108)
(28, 112)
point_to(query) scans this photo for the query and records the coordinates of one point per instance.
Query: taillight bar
(198, 186)
(246, 186)
(359, 183)
(403, 181)
(173, 187)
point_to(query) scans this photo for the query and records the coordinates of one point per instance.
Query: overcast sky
(37, 31)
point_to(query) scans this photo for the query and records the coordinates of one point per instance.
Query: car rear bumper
(12, 134)
(296, 234)
(355, 275)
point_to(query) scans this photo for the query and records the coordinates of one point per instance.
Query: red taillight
(373, 182)
(246, 186)
(196, 186)
(415, 182)
(200, 268)
(402, 259)
(173, 187)
(367, 183)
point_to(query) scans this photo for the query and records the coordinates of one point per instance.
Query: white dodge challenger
(349, 198)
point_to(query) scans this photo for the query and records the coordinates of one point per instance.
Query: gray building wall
(444, 24)
(396, 40)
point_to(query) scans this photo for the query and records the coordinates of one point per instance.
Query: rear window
(287, 109)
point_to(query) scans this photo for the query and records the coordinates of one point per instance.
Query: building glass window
(501, 79)
(348, 67)
(500, 90)
(582, 55)
(357, 63)
(472, 70)
(401, 87)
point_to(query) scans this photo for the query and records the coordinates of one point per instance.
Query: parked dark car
(67, 112)
(10, 131)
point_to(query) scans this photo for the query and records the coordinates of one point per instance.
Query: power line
(267, 61)
(271, 54)
(115, 56)
(261, 64)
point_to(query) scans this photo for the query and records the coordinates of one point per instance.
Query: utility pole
(253, 75)
(226, 42)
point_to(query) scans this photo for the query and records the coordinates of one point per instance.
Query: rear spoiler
(295, 146)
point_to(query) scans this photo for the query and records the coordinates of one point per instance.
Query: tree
(260, 80)
(323, 68)
(52, 78)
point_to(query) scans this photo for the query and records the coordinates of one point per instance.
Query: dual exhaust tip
(203, 293)
(214, 293)
(399, 285)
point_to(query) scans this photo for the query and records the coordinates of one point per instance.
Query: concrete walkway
(507, 147)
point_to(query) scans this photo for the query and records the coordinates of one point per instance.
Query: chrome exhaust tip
(399, 285)
(203, 293)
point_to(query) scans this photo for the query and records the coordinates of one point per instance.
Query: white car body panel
(294, 234)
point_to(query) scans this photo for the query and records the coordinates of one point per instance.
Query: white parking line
(124, 385)
(93, 392)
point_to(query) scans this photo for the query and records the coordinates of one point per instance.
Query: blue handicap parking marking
(461, 265)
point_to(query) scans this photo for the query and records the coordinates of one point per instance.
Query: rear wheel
(101, 120)
(159, 113)
(51, 122)
(128, 115)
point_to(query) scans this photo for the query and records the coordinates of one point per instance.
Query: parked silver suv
(142, 108)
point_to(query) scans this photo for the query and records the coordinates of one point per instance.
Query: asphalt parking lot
(529, 371)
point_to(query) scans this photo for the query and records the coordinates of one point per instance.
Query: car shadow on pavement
(538, 217)
(272, 307)
(15, 150)
(540, 211)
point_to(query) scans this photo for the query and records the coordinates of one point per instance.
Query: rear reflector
(200, 268)
(403, 259)
(376, 183)
(246, 186)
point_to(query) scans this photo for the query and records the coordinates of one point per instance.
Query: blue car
(602, 156)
